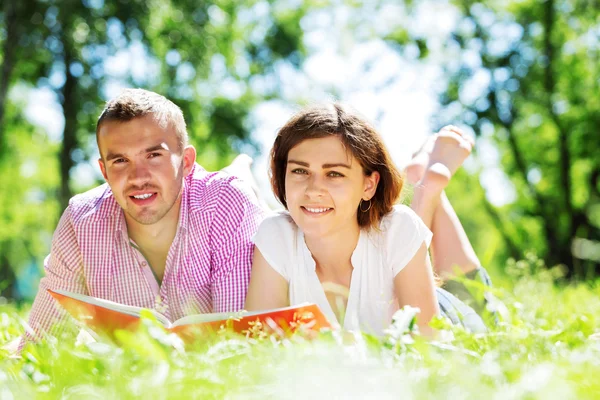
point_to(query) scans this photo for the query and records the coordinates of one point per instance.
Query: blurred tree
(27, 190)
(212, 58)
(28, 178)
(526, 74)
(8, 58)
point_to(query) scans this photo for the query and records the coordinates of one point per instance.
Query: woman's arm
(414, 285)
(267, 288)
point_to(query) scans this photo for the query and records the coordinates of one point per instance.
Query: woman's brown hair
(358, 136)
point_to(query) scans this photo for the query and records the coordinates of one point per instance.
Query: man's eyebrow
(112, 156)
(324, 166)
(161, 146)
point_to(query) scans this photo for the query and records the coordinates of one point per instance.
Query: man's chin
(148, 221)
(145, 218)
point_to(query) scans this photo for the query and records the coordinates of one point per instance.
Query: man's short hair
(136, 103)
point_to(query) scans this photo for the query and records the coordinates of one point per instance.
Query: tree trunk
(564, 237)
(69, 143)
(9, 48)
(7, 275)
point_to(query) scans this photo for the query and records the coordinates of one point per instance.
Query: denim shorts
(458, 312)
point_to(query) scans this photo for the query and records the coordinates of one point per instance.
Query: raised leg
(450, 246)
(430, 171)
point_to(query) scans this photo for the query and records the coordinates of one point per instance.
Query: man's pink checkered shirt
(208, 264)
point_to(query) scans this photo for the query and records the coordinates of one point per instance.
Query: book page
(111, 305)
(200, 318)
(253, 313)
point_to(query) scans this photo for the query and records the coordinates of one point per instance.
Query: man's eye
(153, 155)
(119, 161)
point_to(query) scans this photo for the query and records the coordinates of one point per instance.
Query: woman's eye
(335, 174)
(299, 171)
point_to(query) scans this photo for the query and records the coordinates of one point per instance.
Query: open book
(104, 316)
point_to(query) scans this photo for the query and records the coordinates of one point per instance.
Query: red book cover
(104, 316)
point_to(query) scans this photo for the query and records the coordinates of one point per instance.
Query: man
(162, 233)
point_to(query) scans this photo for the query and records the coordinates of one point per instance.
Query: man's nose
(139, 173)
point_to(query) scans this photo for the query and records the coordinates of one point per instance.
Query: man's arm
(64, 270)
(236, 219)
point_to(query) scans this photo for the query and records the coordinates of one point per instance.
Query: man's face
(144, 167)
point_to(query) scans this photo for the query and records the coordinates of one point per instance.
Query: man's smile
(143, 199)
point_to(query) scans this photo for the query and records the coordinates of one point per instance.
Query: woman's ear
(371, 182)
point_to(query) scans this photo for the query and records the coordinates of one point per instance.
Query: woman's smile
(316, 211)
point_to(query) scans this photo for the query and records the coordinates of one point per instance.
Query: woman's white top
(377, 258)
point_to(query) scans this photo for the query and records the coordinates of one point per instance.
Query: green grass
(542, 348)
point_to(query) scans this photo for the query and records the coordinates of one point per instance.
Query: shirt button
(144, 263)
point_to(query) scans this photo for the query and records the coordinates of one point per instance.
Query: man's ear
(189, 158)
(371, 182)
(102, 168)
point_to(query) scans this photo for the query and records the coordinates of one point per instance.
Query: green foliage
(524, 76)
(540, 106)
(203, 55)
(28, 206)
(545, 346)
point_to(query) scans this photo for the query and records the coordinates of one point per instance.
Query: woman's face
(324, 184)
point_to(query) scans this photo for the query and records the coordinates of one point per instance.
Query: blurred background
(522, 76)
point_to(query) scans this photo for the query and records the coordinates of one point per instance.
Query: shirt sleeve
(404, 234)
(274, 237)
(63, 270)
(236, 219)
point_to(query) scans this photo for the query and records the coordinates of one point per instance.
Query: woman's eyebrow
(304, 164)
(324, 166)
(335, 165)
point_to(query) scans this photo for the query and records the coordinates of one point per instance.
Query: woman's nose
(314, 186)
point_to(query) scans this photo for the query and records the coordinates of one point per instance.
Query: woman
(343, 244)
